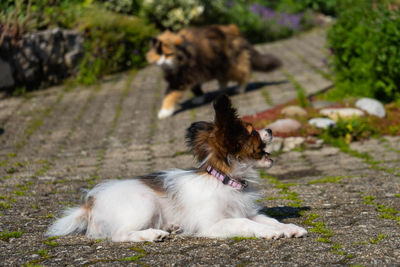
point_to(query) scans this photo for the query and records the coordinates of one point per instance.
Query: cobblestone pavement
(58, 141)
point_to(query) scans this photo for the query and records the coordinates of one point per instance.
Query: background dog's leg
(168, 106)
(223, 86)
(242, 227)
(124, 235)
(198, 95)
(289, 230)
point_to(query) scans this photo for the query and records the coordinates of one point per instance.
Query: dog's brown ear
(197, 136)
(224, 111)
(229, 127)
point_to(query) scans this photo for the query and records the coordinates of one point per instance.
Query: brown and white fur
(197, 55)
(194, 202)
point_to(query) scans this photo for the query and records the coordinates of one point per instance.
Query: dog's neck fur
(232, 167)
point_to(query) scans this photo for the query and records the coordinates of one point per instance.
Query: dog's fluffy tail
(74, 220)
(264, 62)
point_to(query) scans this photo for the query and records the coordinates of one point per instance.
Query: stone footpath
(57, 142)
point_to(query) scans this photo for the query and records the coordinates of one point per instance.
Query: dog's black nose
(269, 131)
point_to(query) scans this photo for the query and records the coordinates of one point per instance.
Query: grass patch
(337, 249)
(192, 114)
(132, 258)
(301, 92)
(50, 241)
(376, 240)
(328, 179)
(384, 211)
(43, 253)
(5, 205)
(43, 169)
(180, 153)
(319, 228)
(284, 190)
(6, 236)
(267, 97)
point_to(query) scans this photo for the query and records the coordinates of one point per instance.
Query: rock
(335, 113)
(322, 122)
(275, 145)
(72, 58)
(371, 106)
(321, 104)
(293, 111)
(312, 142)
(41, 58)
(6, 78)
(284, 126)
(291, 143)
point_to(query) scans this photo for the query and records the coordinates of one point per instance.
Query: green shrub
(352, 129)
(295, 6)
(177, 14)
(114, 42)
(128, 7)
(251, 25)
(39, 14)
(366, 54)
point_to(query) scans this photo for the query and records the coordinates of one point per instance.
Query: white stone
(291, 143)
(284, 126)
(371, 106)
(322, 122)
(293, 111)
(6, 78)
(312, 142)
(344, 113)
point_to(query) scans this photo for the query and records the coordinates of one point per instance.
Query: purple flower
(290, 21)
(229, 4)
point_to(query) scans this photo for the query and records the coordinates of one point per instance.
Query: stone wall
(40, 59)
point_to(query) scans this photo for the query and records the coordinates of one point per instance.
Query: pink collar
(225, 179)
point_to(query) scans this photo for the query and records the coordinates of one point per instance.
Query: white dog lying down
(215, 200)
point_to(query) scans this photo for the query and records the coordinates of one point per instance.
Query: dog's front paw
(281, 230)
(174, 229)
(154, 235)
(270, 232)
(164, 113)
(291, 230)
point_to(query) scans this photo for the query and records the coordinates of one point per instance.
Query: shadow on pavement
(210, 96)
(293, 175)
(280, 213)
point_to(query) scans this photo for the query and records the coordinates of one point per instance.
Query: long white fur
(199, 204)
(128, 210)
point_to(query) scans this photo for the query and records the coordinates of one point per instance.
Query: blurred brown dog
(197, 55)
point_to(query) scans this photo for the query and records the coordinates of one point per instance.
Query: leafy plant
(176, 14)
(128, 7)
(366, 56)
(114, 42)
(349, 130)
(5, 236)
